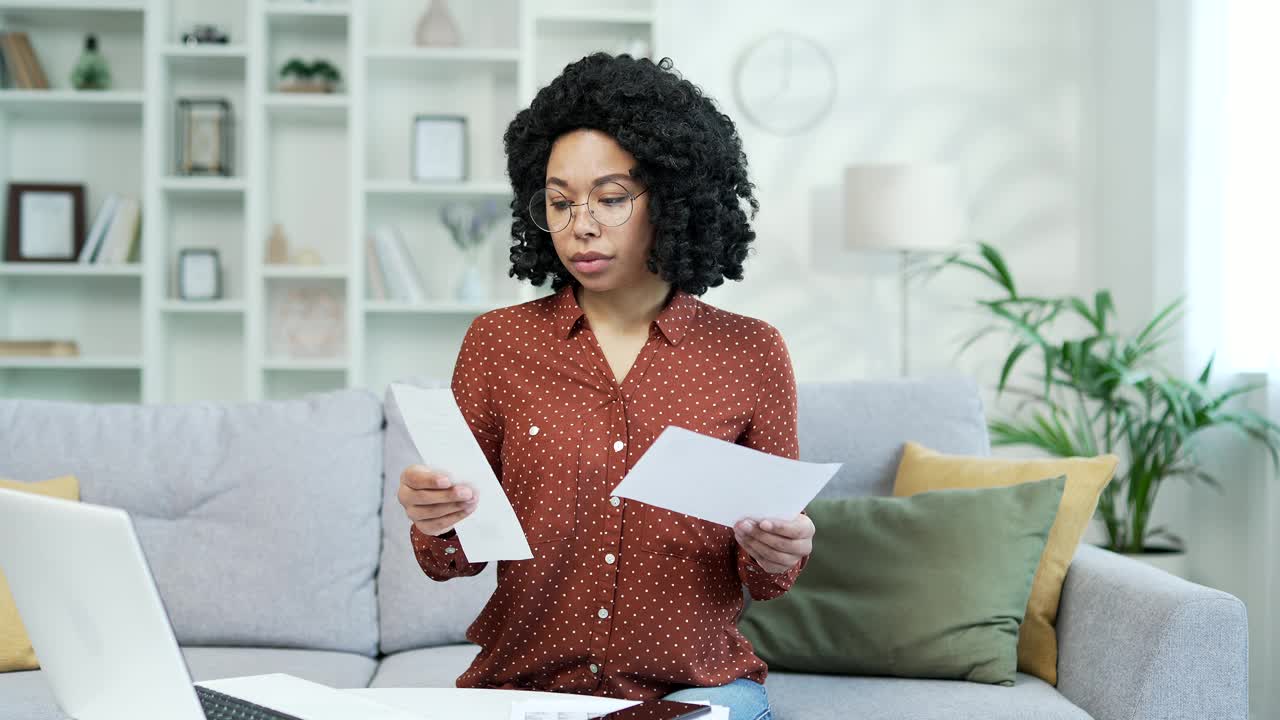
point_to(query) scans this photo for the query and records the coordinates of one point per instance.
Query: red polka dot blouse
(621, 599)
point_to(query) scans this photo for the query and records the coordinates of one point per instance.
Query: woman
(629, 187)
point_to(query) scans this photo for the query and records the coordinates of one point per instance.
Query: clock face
(785, 83)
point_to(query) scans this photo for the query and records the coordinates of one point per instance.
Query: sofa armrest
(1135, 642)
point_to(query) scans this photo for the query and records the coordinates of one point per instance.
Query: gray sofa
(278, 546)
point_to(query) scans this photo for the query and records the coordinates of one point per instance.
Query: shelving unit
(328, 168)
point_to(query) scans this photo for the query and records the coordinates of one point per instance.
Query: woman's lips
(592, 266)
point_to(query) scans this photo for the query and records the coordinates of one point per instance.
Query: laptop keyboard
(220, 706)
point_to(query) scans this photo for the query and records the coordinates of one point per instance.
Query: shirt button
(615, 501)
(610, 558)
(450, 550)
(594, 668)
(619, 445)
(533, 430)
(603, 613)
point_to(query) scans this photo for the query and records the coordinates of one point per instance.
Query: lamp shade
(908, 207)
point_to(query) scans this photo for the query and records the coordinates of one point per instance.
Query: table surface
(477, 704)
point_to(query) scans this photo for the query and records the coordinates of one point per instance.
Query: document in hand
(720, 481)
(445, 442)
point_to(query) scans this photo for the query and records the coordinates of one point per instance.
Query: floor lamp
(907, 209)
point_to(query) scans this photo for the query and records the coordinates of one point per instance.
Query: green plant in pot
(301, 76)
(1100, 390)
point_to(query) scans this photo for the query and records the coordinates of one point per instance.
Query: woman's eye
(613, 201)
(560, 205)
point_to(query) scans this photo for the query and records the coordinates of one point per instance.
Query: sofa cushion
(437, 667)
(414, 610)
(833, 697)
(259, 520)
(26, 695)
(864, 423)
(929, 586)
(923, 470)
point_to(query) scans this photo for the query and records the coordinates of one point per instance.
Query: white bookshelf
(329, 168)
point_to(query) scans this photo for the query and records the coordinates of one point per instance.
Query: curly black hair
(688, 155)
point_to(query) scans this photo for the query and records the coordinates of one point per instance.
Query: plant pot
(1174, 562)
(307, 86)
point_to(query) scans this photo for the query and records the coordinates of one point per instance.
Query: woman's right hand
(432, 501)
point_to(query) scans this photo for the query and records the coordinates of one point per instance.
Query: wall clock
(785, 83)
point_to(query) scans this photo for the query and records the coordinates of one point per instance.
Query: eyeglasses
(609, 204)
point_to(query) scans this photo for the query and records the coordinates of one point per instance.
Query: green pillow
(931, 586)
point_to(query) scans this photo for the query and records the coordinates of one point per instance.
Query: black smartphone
(659, 710)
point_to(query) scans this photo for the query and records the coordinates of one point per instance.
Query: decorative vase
(437, 28)
(471, 287)
(1174, 562)
(277, 246)
(91, 71)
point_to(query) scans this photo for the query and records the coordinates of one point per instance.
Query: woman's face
(579, 161)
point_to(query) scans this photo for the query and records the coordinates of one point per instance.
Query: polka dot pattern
(621, 599)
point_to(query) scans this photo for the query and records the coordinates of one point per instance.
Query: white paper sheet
(445, 442)
(585, 707)
(305, 699)
(720, 481)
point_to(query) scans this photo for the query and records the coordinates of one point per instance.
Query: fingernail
(766, 526)
(464, 493)
(747, 525)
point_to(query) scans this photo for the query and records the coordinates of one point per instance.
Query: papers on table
(587, 707)
(445, 442)
(720, 481)
(303, 698)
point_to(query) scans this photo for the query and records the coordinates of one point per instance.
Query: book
(397, 264)
(382, 246)
(39, 348)
(34, 70)
(97, 233)
(13, 61)
(122, 233)
(377, 288)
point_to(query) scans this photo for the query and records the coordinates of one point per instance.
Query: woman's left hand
(777, 545)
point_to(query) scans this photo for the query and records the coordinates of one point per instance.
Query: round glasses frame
(545, 192)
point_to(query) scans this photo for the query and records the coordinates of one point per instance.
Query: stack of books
(392, 273)
(114, 235)
(19, 66)
(39, 348)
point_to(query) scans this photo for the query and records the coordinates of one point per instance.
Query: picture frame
(45, 222)
(199, 274)
(203, 137)
(439, 148)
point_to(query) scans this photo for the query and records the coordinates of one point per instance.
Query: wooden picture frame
(45, 222)
(199, 274)
(204, 129)
(439, 149)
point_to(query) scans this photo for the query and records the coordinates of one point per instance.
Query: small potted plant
(320, 76)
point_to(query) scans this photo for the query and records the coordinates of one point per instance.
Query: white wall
(996, 88)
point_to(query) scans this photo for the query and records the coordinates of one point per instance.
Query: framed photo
(199, 274)
(45, 222)
(204, 132)
(439, 148)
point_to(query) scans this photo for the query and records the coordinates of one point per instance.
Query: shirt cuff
(762, 584)
(440, 556)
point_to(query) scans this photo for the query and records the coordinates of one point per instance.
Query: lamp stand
(905, 307)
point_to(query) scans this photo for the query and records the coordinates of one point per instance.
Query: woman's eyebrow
(604, 178)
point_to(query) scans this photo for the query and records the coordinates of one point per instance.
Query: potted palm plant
(1103, 391)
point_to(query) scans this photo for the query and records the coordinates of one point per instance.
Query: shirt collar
(674, 319)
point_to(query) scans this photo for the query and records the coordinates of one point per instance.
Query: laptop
(98, 625)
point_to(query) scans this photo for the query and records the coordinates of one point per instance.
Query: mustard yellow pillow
(15, 646)
(922, 469)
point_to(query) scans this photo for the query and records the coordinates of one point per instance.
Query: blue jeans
(746, 699)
